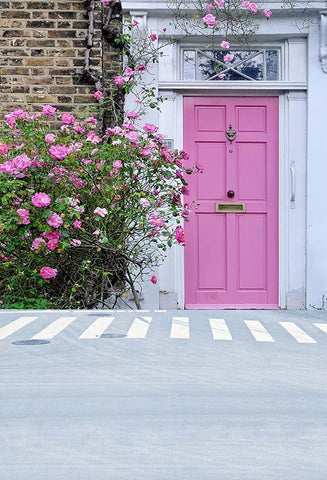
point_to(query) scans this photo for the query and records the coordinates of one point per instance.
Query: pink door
(231, 259)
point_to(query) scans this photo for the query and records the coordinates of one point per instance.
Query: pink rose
(98, 95)
(67, 118)
(129, 72)
(50, 138)
(119, 80)
(37, 242)
(76, 243)
(59, 152)
(3, 148)
(141, 67)
(219, 3)
(102, 212)
(267, 13)
(117, 164)
(185, 190)
(150, 128)
(253, 8)
(154, 279)
(153, 37)
(48, 110)
(48, 272)
(210, 20)
(77, 224)
(224, 45)
(179, 235)
(24, 215)
(157, 222)
(54, 220)
(40, 200)
(229, 57)
(209, 8)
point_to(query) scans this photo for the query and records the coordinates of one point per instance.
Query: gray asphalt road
(226, 399)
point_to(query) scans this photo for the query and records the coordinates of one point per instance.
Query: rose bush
(84, 216)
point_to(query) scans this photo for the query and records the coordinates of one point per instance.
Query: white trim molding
(323, 41)
(232, 85)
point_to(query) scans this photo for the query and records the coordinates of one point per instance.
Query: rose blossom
(75, 242)
(229, 57)
(98, 95)
(37, 242)
(267, 13)
(144, 202)
(150, 128)
(102, 212)
(154, 279)
(224, 45)
(67, 118)
(40, 200)
(119, 80)
(48, 272)
(3, 148)
(153, 37)
(50, 138)
(54, 220)
(179, 235)
(157, 222)
(24, 215)
(77, 224)
(48, 110)
(117, 164)
(59, 152)
(210, 20)
(129, 72)
(253, 8)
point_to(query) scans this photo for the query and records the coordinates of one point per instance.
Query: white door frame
(285, 183)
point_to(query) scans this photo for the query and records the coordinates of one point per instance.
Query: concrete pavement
(180, 397)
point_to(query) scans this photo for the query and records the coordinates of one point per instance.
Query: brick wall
(42, 47)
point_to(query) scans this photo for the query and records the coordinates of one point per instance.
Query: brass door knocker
(230, 133)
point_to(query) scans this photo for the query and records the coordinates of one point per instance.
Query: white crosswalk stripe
(219, 329)
(258, 331)
(180, 327)
(54, 328)
(139, 327)
(322, 326)
(14, 326)
(297, 332)
(97, 328)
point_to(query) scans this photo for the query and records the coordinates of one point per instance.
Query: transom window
(255, 65)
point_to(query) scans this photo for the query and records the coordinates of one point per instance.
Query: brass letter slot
(230, 207)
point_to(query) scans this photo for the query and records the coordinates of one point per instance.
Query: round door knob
(230, 193)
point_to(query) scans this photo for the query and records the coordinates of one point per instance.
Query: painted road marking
(297, 332)
(180, 327)
(219, 329)
(258, 331)
(54, 328)
(96, 329)
(14, 326)
(139, 327)
(322, 326)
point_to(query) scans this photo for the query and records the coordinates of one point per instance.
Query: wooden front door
(231, 257)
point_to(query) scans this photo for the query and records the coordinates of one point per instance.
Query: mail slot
(230, 207)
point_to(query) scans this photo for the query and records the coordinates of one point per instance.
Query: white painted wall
(317, 177)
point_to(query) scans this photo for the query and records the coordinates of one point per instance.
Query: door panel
(231, 259)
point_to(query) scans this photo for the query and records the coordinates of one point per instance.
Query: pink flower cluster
(47, 273)
(17, 166)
